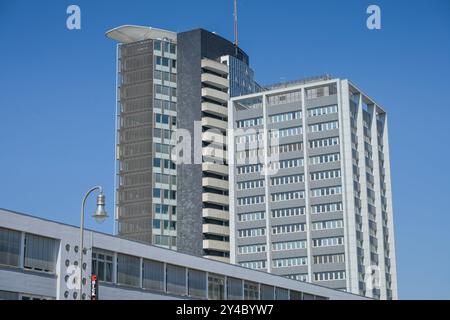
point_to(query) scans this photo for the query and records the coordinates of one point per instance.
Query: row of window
(163, 163)
(288, 163)
(288, 147)
(166, 194)
(181, 281)
(244, 201)
(165, 119)
(289, 245)
(249, 122)
(286, 116)
(38, 253)
(329, 258)
(326, 225)
(253, 168)
(165, 104)
(250, 184)
(286, 196)
(166, 76)
(251, 216)
(319, 111)
(165, 62)
(288, 228)
(328, 242)
(326, 191)
(323, 175)
(321, 143)
(288, 212)
(325, 158)
(324, 208)
(289, 262)
(323, 126)
(328, 276)
(286, 132)
(253, 232)
(257, 265)
(166, 46)
(255, 248)
(287, 179)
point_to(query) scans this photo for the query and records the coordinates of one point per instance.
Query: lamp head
(100, 214)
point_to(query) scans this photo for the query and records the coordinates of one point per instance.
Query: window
(323, 126)
(234, 289)
(288, 212)
(40, 253)
(323, 175)
(299, 277)
(256, 232)
(250, 200)
(10, 242)
(287, 180)
(197, 283)
(251, 216)
(287, 97)
(289, 245)
(321, 143)
(328, 276)
(285, 196)
(102, 264)
(267, 292)
(254, 248)
(176, 279)
(249, 169)
(128, 270)
(288, 228)
(281, 117)
(328, 242)
(295, 295)
(328, 191)
(249, 122)
(314, 112)
(286, 132)
(326, 225)
(157, 45)
(289, 147)
(325, 158)
(153, 275)
(288, 163)
(251, 290)
(257, 265)
(250, 184)
(216, 287)
(289, 262)
(329, 207)
(329, 258)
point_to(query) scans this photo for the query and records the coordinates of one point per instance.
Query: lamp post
(99, 215)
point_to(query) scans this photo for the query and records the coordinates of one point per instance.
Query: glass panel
(128, 270)
(307, 296)
(216, 287)
(153, 275)
(176, 280)
(197, 283)
(6, 295)
(267, 292)
(282, 294)
(9, 247)
(295, 295)
(234, 289)
(251, 291)
(40, 253)
(102, 264)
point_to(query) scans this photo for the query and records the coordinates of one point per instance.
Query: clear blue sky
(57, 98)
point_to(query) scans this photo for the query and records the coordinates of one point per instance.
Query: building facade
(146, 112)
(310, 188)
(168, 81)
(38, 258)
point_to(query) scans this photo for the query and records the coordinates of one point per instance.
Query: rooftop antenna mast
(235, 27)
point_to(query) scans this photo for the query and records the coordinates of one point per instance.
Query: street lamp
(99, 215)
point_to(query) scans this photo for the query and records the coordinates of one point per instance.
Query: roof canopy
(129, 33)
